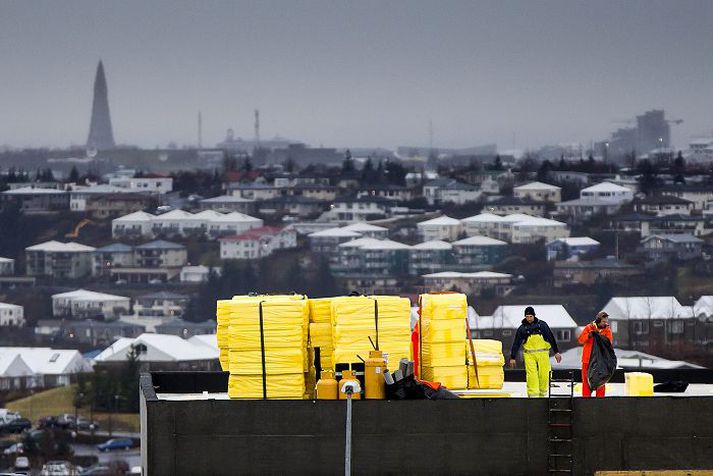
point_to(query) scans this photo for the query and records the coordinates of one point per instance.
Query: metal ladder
(560, 419)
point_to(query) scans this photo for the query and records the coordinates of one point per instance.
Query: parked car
(116, 444)
(99, 470)
(6, 416)
(48, 422)
(16, 426)
(58, 468)
(66, 420)
(17, 448)
(22, 463)
(87, 424)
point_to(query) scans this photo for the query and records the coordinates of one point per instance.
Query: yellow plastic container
(347, 375)
(327, 387)
(374, 368)
(638, 384)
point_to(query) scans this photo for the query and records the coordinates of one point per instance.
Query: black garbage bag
(672, 386)
(406, 389)
(602, 362)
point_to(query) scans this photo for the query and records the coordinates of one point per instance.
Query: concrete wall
(483, 436)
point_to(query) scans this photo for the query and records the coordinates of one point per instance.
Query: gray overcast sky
(362, 73)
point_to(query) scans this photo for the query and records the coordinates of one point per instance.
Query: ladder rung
(560, 455)
(560, 424)
(560, 440)
(569, 410)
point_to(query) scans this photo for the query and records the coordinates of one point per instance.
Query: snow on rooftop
(234, 217)
(537, 186)
(510, 317)
(459, 275)
(47, 361)
(577, 241)
(538, 221)
(443, 220)
(174, 215)
(159, 348)
(359, 242)
(362, 227)
(335, 233)
(433, 245)
(704, 306)
(478, 240)
(34, 191)
(86, 295)
(606, 187)
(386, 245)
(57, 246)
(645, 307)
(135, 217)
(483, 218)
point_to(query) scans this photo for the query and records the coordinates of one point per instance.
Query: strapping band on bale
(262, 355)
(376, 321)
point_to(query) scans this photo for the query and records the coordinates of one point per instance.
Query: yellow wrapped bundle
(443, 332)
(281, 341)
(386, 319)
(320, 310)
(320, 335)
(224, 357)
(452, 377)
(490, 377)
(283, 387)
(490, 359)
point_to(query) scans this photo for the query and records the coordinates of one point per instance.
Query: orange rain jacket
(585, 339)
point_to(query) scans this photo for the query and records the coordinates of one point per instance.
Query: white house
(607, 191)
(59, 260)
(485, 224)
(49, 367)
(445, 190)
(115, 255)
(7, 266)
(539, 192)
(230, 203)
(197, 274)
(79, 196)
(479, 251)
(160, 349)
(327, 241)
(430, 256)
(233, 223)
(704, 307)
(175, 222)
(11, 315)
(83, 303)
(154, 184)
(257, 243)
(532, 229)
(137, 224)
(440, 228)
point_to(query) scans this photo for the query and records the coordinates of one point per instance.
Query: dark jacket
(525, 330)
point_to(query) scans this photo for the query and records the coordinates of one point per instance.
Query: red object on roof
(239, 176)
(254, 234)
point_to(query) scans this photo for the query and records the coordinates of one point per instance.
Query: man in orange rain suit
(600, 325)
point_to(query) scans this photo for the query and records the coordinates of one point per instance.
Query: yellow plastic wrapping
(490, 377)
(279, 386)
(443, 333)
(283, 343)
(224, 357)
(638, 384)
(452, 377)
(320, 310)
(355, 319)
(320, 335)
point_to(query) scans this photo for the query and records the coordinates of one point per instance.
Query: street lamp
(77, 403)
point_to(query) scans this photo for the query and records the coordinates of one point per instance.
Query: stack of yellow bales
(442, 336)
(320, 330)
(221, 332)
(386, 319)
(490, 360)
(268, 360)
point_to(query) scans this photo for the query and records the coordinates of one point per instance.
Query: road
(132, 456)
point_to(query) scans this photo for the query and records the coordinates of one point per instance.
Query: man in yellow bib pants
(536, 339)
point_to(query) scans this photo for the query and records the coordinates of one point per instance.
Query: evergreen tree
(348, 164)
(73, 175)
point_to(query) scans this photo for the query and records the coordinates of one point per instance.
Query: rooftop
(479, 241)
(362, 227)
(335, 233)
(576, 241)
(254, 234)
(443, 220)
(433, 245)
(160, 245)
(34, 191)
(86, 295)
(538, 186)
(59, 247)
(115, 248)
(606, 187)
